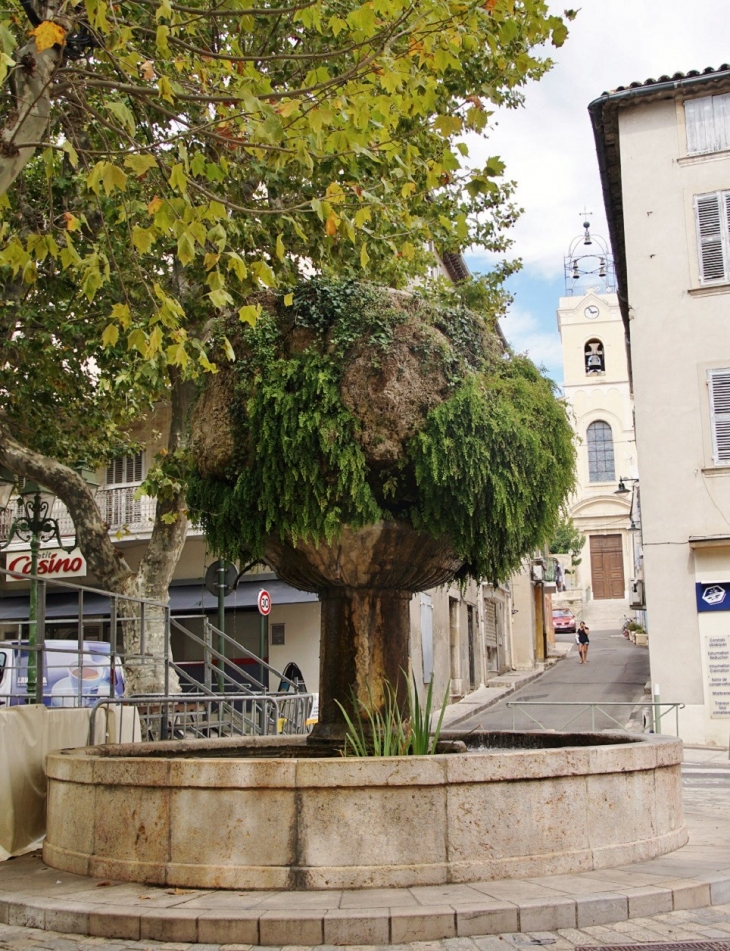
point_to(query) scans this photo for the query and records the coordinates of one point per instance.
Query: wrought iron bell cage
(588, 265)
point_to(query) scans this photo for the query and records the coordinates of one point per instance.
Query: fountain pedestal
(365, 579)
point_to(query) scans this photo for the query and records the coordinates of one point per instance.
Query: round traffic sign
(264, 602)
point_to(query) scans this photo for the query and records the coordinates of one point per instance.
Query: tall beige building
(664, 156)
(596, 385)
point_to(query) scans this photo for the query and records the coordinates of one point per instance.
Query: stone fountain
(368, 445)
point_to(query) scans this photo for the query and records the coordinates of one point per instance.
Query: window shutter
(721, 117)
(700, 125)
(720, 409)
(707, 121)
(127, 470)
(710, 231)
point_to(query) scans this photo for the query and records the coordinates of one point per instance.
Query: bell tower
(596, 385)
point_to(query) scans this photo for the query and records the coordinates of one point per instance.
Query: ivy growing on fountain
(351, 403)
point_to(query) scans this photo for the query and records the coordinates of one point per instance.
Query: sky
(548, 144)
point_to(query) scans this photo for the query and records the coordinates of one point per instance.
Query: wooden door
(607, 566)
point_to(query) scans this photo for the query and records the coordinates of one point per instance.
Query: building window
(713, 234)
(594, 357)
(601, 466)
(719, 381)
(126, 470)
(119, 505)
(708, 124)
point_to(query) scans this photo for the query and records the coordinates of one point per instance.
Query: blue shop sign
(713, 595)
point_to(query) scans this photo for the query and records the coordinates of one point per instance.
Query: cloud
(526, 334)
(548, 145)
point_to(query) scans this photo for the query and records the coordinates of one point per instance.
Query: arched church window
(595, 360)
(601, 466)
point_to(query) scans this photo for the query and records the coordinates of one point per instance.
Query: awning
(184, 599)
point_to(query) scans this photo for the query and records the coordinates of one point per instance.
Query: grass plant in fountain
(387, 731)
(369, 444)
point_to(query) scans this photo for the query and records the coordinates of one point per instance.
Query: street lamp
(34, 525)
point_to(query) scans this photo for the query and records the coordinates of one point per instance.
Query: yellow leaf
(249, 313)
(364, 256)
(280, 251)
(47, 34)
(147, 70)
(71, 221)
(110, 336)
(288, 300)
(210, 261)
(330, 225)
(155, 205)
(122, 313)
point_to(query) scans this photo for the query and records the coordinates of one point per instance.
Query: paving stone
(360, 927)
(424, 924)
(539, 914)
(601, 909)
(282, 927)
(487, 918)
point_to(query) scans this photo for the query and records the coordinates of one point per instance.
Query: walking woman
(583, 642)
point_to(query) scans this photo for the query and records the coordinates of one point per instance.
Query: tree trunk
(31, 84)
(143, 645)
(364, 643)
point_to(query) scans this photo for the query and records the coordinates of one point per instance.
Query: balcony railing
(124, 514)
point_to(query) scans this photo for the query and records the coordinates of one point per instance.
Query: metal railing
(577, 709)
(188, 716)
(227, 700)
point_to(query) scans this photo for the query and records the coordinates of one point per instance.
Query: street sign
(212, 577)
(264, 602)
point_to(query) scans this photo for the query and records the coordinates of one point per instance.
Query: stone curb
(211, 922)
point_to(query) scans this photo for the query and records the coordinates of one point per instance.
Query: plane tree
(161, 163)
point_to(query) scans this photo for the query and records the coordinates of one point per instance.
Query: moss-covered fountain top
(355, 404)
(369, 444)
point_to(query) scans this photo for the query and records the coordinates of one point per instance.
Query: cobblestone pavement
(702, 923)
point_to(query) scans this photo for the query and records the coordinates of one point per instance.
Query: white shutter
(707, 121)
(721, 116)
(490, 623)
(712, 232)
(127, 470)
(719, 381)
(700, 125)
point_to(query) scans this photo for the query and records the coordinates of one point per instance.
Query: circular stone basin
(259, 813)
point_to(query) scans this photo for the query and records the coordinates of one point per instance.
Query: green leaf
(280, 250)
(262, 272)
(220, 298)
(237, 265)
(124, 114)
(163, 33)
(68, 148)
(164, 87)
(143, 238)
(178, 178)
(185, 248)
(137, 340)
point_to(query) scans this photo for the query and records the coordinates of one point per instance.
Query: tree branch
(92, 533)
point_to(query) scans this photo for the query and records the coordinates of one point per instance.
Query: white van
(66, 682)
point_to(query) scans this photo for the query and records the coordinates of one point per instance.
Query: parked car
(564, 620)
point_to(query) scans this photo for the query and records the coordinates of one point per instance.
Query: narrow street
(616, 672)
